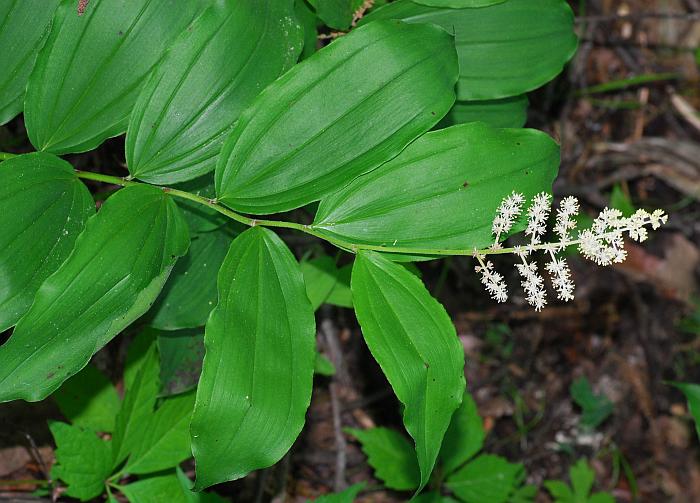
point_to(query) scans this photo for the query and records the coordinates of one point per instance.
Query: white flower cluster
(492, 281)
(603, 243)
(508, 212)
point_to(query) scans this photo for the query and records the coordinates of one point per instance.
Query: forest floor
(630, 330)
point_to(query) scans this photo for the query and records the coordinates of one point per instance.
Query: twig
(686, 110)
(34, 452)
(339, 482)
(330, 36)
(359, 13)
(640, 120)
(331, 339)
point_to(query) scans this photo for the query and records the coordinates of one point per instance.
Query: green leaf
(157, 489)
(326, 283)
(443, 191)
(341, 295)
(152, 440)
(23, 28)
(181, 354)
(320, 277)
(582, 478)
(196, 497)
(200, 218)
(137, 407)
(413, 340)
(43, 208)
(257, 376)
(432, 497)
(621, 201)
(83, 460)
(89, 73)
(486, 478)
(168, 488)
(504, 50)
(503, 113)
(115, 272)
(601, 498)
(89, 400)
(337, 14)
(166, 438)
(346, 496)
(192, 98)
(559, 490)
(524, 494)
(459, 4)
(344, 111)
(323, 366)
(307, 20)
(138, 350)
(692, 394)
(391, 456)
(596, 408)
(190, 293)
(465, 436)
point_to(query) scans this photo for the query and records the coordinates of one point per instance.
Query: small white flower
(492, 280)
(568, 209)
(507, 213)
(608, 219)
(537, 215)
(657, 218)
(603, 242)
(561, 278)
(603, 249)
(533, 284)
(520, 251)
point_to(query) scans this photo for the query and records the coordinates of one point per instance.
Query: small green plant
(692, 394)
(346, 496)
(582, 477)
(620, 200)
(499, 341)
(149, 435)
(595, 409)
(462, 471)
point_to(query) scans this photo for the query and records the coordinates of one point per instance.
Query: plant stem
(211, 203)
(308, 229)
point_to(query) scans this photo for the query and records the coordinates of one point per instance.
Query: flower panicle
(603, 243)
